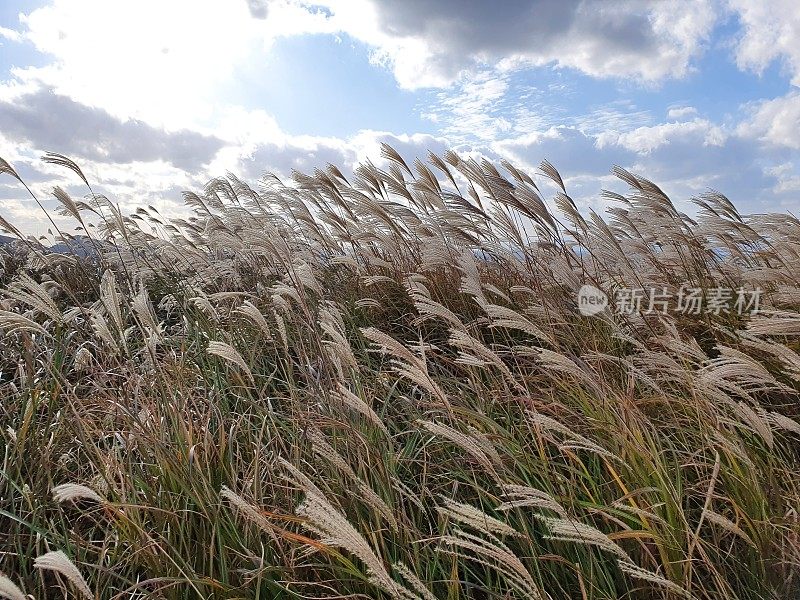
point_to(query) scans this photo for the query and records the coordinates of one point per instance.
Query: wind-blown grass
(382, 387)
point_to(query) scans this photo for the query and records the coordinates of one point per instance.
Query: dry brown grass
(382, 386)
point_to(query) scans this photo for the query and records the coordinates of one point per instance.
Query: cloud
(48, 121)
(571, 150)
(788, 178)
(171, 75)
(490, 105)
(303, 156)
(681, 112)
(137, 164)
(613, 117)
(769, 31)
(775, 122)
(474, 108)
(281, 154)
(367, 145)
(10, 34)
(429, 43)
(425, 42)
(677, 156)
(162, 62)
(685, 159)
(259, 9)
(644, 140)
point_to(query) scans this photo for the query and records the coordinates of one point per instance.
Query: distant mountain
(80, 245)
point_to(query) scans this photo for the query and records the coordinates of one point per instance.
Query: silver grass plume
(74, 491)
(728, 525)
(405, 363)
(474, 518)
(231, 355)
(249, 310)
(144, 311)
(248, 511)
(466, 442)
(357, 404)
(9, 590)
(416, 584)
(519, 496)
(335, 530)
(110, 298)
(574, 440)
(57, 561)
(636, 572)
(494, 554)
(11, 322)
(570, 530)
(24, 289)
(322, 448)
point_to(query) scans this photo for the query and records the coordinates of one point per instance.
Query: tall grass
(382, 387)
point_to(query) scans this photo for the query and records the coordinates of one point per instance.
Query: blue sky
(154, 97)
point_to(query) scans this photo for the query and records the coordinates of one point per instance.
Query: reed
(381, 385)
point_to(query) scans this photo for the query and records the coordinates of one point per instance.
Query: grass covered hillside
(384, 386)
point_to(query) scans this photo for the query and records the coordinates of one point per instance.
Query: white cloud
(10, 34)
(253, 144)
(51, 121)
(431, 43)
(683, 158)
(616, 117)
(770, 31)
(643, 140)
(788, 177)
(775, 122)
(681, 112)
(490, 106)
(163, 62)
(473, 109)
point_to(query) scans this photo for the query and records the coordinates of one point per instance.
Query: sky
(155, 97)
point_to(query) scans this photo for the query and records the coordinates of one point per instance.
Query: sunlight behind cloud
(158, 61)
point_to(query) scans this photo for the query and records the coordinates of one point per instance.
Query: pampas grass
(10, 590)
(231, 355)
(58, 562)
(73, 491)
(380, 384)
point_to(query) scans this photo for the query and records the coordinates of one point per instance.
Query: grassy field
(382, 386)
